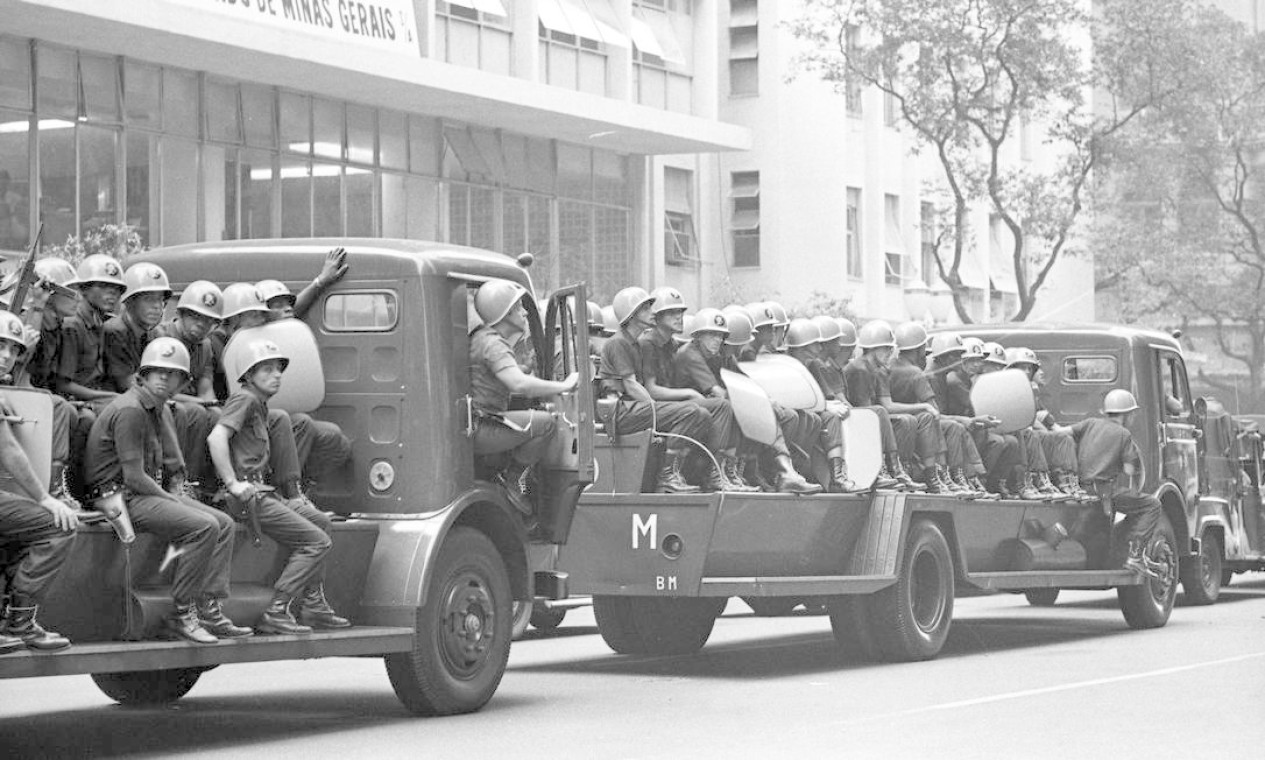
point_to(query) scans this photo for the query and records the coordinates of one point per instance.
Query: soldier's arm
(334, 269)
(14, 461)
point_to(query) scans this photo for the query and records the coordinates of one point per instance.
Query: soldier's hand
(693, 395)
(63, 516)
(932, 410)
(242, 491)
(175, 485)
(39, 293)
(570, 382)
(335, 267)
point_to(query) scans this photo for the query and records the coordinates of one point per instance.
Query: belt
(106, 489)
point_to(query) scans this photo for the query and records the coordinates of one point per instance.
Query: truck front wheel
(138, 688)
(1148, 605)
(462, 638)
(655, 624)
(910, 619)
(1201, 576)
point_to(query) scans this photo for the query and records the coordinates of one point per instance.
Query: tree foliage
(117, 240)
(968, 77)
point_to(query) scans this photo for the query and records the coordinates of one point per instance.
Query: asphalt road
(1014, 681)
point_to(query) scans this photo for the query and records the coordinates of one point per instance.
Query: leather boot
(512, 478)
(1072, 486)
(213, 619)
(59, 488)
(1003, 490)
(790, 481)
(184, 624)
(314, 610)
(1028, 490)
(10, 643)
(670, 478)
(749, 471)
(961, 485)
(931, 481)
(839, 480)
(982, 490)
(1047, 487)
(1138, 562)
(277, 618)
(903, 480)
(733, 473)
(885, 481)
(20, 622)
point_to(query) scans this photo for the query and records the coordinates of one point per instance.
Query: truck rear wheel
(147, 687)
(771, 606)
(1201, 576)
(1148, 605)
(850, 622)
(1042, 597)
(462, 638)
(910, 620)
(655, 624)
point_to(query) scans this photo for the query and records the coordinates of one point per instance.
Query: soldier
(1059, 447)
(792, 425)
(38, 528)
(494, 375)
(966, 467)
(952, 378)
(1032, 456)
(803, 343)
(909, 385)
(847, 342)
(198, 312)
(285, 304)
(80, 371)
(239, 448)
(906, 429)
(132, 449)
(623, 380)
(658, 366)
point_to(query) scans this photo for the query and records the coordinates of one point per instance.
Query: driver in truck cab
(495, 375)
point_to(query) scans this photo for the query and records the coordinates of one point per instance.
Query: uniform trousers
(299, 527)
(194, 422)
(684, 418)
(528, 444)
(203, 535)
(960, 449)
(1033, 451)
(1141, 510)
(723, 435)
(321, 445)
(1060, 450)
(1001, 454)
(32, 547)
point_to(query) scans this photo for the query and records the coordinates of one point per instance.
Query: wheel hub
(468, 629)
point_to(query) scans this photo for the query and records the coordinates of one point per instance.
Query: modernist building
(515, 125)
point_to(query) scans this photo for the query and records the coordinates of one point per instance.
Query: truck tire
(139, 688)
(910, 620)
(850, 622)
(1148, 605)
(655, 624)
(1042, 597)
(546, 619)
(462, 638)
(1201, 576)
(771, 606)
(522, 616)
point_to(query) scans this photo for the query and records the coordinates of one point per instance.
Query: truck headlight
(381, 475)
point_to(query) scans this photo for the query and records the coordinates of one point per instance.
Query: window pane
(392, 140)
(744, 77)
(612, 252)
(575, 243)
(57, 180)
(15, 187)
(296, 198)
(179, 191)
(58, 83)
(424, 142)
(219, 192)
(96, 177)
(592, 73)
(327, 125)
(680, 93)
(610, 172)
(140, 95)
(653, 87)
(222, 123)
(257, 183)
(362, 131)
(15, 73)
(258, 106)
(746, 249)
(360, 311)
(180, 102)
(563, 62)
(483, 202)
(394, 206)
(327, 212)
(1089, 369)
(575, 172)
(100, 87)
(462, 42)
(496, 51)
(296, 123)
(358, 185)
(141, 184)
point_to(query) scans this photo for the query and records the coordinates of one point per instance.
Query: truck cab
(429, 552)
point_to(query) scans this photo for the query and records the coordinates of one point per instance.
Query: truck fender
(404, 557)
(878, 550)
(1174, 505)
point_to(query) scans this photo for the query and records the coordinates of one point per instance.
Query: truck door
(1253, 459)
(569, 463)
(1177, 430)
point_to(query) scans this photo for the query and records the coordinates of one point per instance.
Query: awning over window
(652, 33)
(746, 220)
(493, 7)
(590, 19)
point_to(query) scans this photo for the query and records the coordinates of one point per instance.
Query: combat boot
(216, 623)
(513, 478)
(1047, 487)
(733, 473)
(59, 487)
(277, 618)
(960, 485)
(1138, 562)
(670, 478)
(790, 481)
(1072, 486)
(903, 481)
(10, 643)
(980, 489)
(839, 480)
(1027, 490)
(20, 622)
(931, 481)
(749, 471)
(314, 610)
(885, 481)
(184, 624)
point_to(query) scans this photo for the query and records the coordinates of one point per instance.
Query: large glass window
(15, 73)
(141, 184)
(15, 185)
(179, 191)
(745, 221)
(679, 244)
(853, 222)
(894, 242)
(473, 33)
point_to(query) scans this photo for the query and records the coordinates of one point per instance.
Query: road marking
(1053, 689)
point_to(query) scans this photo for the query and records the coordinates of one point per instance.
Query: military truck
(428, 552)
(888, 565)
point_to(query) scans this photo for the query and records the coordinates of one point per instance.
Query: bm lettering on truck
(648, 528)
(665, 583)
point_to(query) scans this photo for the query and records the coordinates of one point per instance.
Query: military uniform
(909, 435)
(622, 358)
(1001, 453)
(1103, 449)
(523, 433)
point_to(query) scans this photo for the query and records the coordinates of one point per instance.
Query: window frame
(393, 307)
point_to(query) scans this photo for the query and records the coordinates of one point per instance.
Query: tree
(117, 240)
(967, 77)
(1185, 244)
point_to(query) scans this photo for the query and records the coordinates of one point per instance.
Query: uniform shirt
(621, 358)
(1103, 448)
(867, 381)
(123, 342)
(247, 416)
(80, 358)
(693, 370)
(134, 427)
(42, 366)
(490, 353)
(218, 338)
(953, 389)
(830, 377)
(909, 384)
(201, 355)
(658, 358)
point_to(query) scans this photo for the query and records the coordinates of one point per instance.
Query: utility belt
(1103, 489)
(106, 490)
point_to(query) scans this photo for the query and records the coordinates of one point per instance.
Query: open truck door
(568, 465)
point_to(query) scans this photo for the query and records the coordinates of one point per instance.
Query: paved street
(1014, 681)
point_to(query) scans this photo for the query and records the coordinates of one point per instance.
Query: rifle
(25, 274)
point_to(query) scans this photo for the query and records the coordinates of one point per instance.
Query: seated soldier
(1059, 447)
(1031, 456)
(36, 530)
(658, 347)
(803, 343)
(495, 375)
(284, 304)
(909, 386)
(905, 430)
(132, 450)
(239, 448)
(80, 372)
(952, 359)
(198, 312)
(633, 408)
(799, 427)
